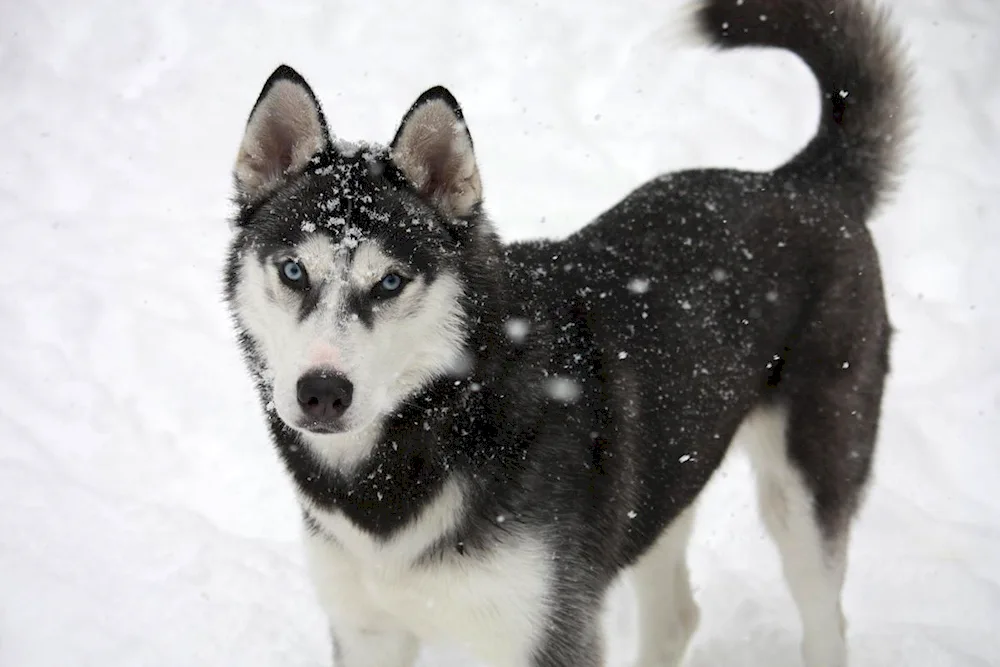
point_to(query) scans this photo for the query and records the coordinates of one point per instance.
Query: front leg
(574, 636)
(372, 647)
(362, 635)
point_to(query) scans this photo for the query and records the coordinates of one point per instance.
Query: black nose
(324, 395)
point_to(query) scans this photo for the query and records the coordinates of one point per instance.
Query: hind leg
(810, 479)
(668, 614)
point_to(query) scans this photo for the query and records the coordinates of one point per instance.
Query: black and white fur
(483, 437)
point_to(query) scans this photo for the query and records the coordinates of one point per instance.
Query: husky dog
(483, 437)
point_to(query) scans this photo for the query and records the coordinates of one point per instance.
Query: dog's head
(347, 275)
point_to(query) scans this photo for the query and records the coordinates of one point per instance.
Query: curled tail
(856, 57)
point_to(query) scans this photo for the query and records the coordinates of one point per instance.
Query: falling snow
(638, 285)
(562, 389)
(517, 329)
(151, 499)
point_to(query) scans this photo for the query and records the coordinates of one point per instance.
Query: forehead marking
(335, 271)
(371, 263)
(325, 264)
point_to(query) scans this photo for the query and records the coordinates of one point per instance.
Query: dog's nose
(324, 395)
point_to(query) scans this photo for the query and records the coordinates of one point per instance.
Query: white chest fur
(491, 604)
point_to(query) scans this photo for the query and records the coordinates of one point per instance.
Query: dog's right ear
(285, 130)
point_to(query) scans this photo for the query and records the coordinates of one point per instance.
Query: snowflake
(517, 329)
(562, 389)
(638, 285)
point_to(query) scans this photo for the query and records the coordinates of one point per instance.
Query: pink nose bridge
(323, 354)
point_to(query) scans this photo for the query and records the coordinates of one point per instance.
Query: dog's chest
(405, 546)
(462, 598)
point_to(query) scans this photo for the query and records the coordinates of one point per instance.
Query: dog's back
(717, 299)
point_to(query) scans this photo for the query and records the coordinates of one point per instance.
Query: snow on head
(352, 237)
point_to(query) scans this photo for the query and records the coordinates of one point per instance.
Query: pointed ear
(433, 149)
(285, 129)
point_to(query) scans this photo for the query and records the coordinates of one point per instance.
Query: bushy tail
(856, 57)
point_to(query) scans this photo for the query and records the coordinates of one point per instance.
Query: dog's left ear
(433, 149)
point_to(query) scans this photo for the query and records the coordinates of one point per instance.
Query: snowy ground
(143, 517)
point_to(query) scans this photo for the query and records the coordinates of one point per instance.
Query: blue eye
(293, 274)
(390, 286)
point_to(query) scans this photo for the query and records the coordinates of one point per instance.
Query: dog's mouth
(320, 427)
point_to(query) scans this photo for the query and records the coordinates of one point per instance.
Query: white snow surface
(144, 519)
